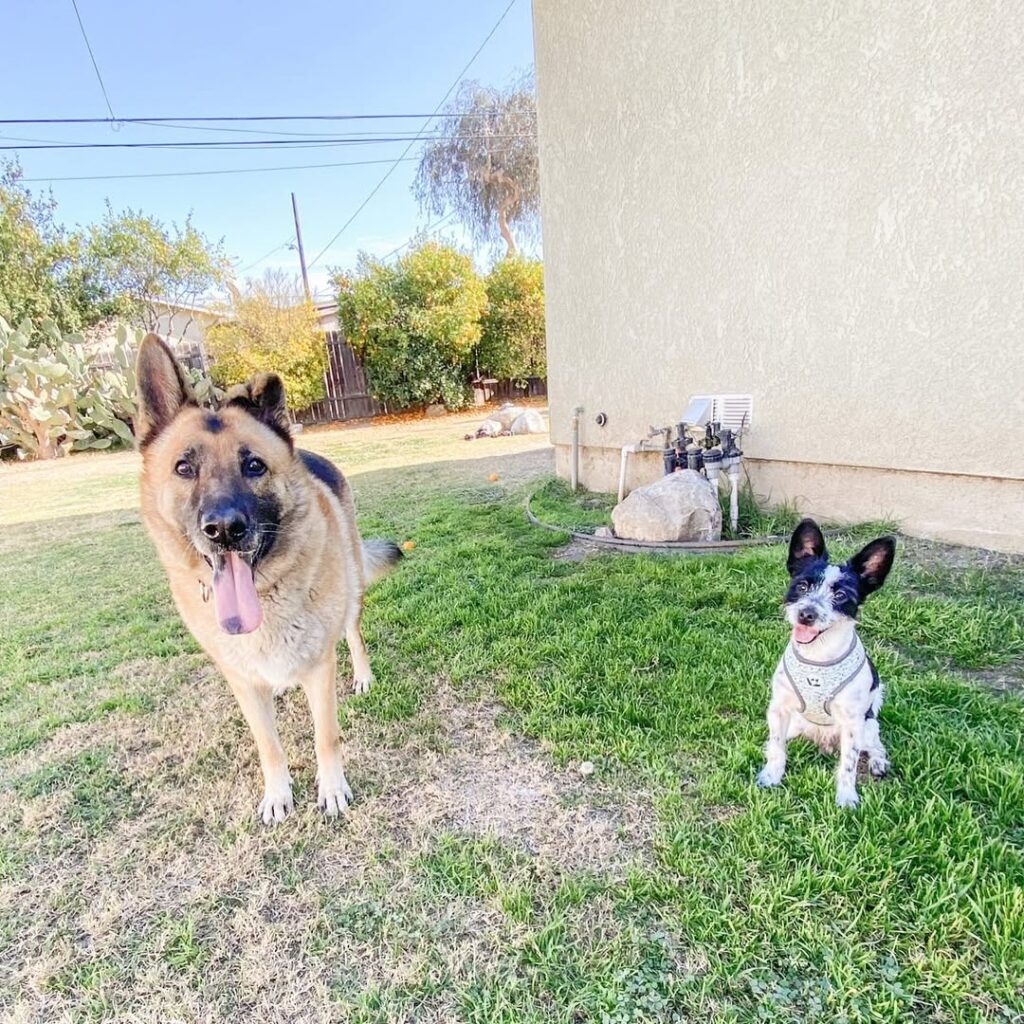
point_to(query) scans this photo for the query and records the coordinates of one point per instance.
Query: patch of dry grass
(180, 906)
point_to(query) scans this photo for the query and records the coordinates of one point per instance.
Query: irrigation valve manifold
(710, 450)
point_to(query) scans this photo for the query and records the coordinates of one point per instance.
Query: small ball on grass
(408, 545)
(493, 478)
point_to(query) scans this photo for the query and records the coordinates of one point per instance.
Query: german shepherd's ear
(163, 389)
(262, 396)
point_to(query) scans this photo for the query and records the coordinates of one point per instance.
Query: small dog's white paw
(335, 795)
(276, 804)
(362, 685)
(847, 798)
(878, 766)
(770, 776)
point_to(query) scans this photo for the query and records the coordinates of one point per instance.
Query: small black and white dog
(826, 688)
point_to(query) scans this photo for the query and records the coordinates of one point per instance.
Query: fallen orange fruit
(493, 477)
(408, 545)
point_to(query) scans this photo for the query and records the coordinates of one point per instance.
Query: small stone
(587, 768)
(604, 531)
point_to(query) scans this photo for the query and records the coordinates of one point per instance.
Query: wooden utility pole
(302, 253)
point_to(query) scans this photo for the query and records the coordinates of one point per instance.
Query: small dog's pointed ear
(163, 388)
(808, 542)
(872, 564)
(263, 396)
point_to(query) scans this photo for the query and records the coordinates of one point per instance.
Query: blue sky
(193, 58)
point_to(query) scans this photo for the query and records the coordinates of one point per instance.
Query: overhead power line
(430, 229)
(230, 118)
(225, 170)
(245, 143)
(266, 255)
(254, 131)
(405, 152)
(92, 57)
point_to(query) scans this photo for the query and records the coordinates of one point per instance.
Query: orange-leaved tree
(272, 328)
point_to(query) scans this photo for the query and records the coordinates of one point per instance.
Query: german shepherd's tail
(379, 557)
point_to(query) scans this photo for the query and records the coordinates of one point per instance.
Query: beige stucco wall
(818, 204)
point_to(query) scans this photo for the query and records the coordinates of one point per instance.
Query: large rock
(681, 506)
(528, 422)
(507, 414)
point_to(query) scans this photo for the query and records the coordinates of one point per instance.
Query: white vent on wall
(734, 412)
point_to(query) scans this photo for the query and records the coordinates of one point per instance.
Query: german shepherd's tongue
(234, 595)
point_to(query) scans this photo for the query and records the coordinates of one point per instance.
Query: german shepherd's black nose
(225, 523)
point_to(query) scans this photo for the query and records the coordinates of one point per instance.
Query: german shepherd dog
(264, 559)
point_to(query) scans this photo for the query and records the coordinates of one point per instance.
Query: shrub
(512, 343)
(56, 398)
(269, 329)
(53, 399)
(415, 324)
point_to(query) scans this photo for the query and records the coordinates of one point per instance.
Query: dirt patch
(185, 908)
(1004, 679)
(489, 783)
(930, 553)
(724, 812)
(576, 551)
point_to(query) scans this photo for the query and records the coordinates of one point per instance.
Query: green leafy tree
(43, 274)
(483, 165)
(140, 265)
(415, 324)
(512, 338)
(271, 327)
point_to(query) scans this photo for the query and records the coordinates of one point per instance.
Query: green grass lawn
(480, 876)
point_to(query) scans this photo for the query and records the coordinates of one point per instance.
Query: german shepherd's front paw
(334, 795)
(276, 804)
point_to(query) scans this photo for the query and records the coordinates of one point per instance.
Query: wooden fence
(348, 397)
(510, 390)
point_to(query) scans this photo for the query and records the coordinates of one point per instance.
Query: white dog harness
(817, 683)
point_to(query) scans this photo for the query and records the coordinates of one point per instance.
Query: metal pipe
(574, 469)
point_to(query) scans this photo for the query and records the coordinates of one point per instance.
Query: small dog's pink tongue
(234, 596)
(804, 634)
